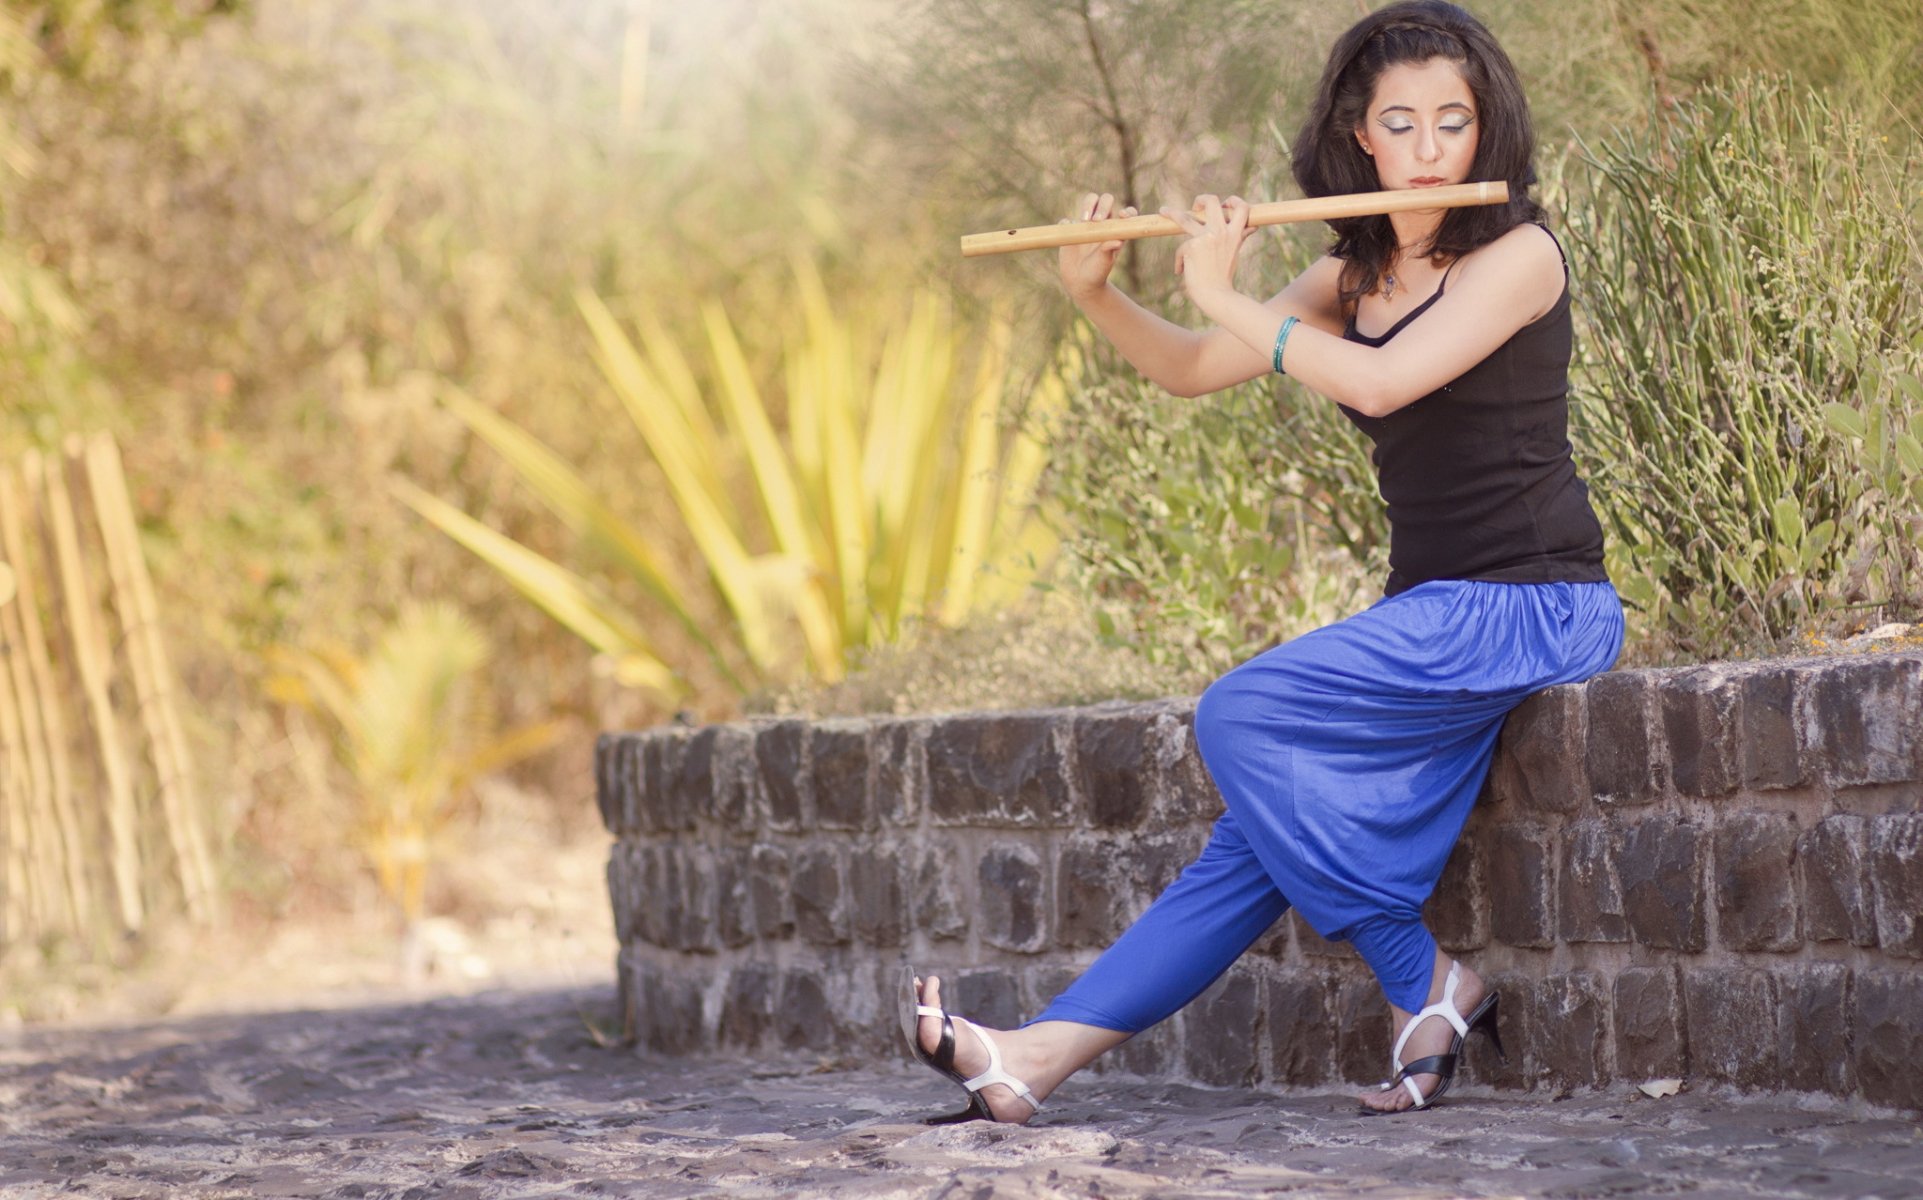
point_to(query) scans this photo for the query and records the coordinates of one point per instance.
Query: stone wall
(1712, 872)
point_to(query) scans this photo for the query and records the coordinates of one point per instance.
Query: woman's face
(1421, 126)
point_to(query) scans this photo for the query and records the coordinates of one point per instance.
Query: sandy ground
(516, 1093)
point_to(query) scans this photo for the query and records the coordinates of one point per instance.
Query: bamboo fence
(99, 819)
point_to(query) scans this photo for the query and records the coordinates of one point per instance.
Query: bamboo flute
(1277, 212)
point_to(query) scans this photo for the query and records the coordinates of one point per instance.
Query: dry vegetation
(262, 243)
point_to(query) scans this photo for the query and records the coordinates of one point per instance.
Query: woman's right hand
(1085, 268)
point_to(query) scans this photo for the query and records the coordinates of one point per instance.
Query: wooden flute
(1279, 212)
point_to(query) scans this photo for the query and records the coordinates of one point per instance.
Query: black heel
(1483, 1021)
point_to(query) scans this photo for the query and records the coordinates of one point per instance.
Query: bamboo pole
(1277, 212)
(41, 728)
(91, 660)
(147, 658)
(36, 825)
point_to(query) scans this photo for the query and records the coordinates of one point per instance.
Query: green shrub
(1203, 531)
(1744, 265)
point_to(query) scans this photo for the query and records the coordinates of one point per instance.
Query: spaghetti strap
(1544, 226)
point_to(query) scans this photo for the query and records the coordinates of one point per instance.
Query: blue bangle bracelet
(1281, 340)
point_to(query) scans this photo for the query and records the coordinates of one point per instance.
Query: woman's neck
(1415, 230)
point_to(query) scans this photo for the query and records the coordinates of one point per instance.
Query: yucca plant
(407, 726)
(886, 491)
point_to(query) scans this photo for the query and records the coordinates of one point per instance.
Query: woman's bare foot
(1433, 1036)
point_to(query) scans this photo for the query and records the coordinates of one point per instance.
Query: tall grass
(1748, 262)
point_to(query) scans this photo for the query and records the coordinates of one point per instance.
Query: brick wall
(1713, 872)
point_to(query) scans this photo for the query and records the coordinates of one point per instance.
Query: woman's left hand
(1207, 259)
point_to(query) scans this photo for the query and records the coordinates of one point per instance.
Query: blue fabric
(1348, 759)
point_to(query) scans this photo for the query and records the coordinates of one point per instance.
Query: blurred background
(478, 375)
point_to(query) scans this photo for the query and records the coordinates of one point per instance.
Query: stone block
(770, 873)
(838, 753)
(1539, 763)
(1045, 981)
(624, 888)
(1222, 1037)
(747, 1007)
(695, 900)
(1572, 1030)
(1814, 1010)
(734, 800)
(1152, 1054)
(1701, 710)
(606, 789)
(821, 895)
(1651, 1025)
(804, 1017)
(1089, 896)
(629, 751)
(1732, 1026)
(1862, 717)
(901, 770)
(1768, 740)
(1661, 868)
(1458, 910)
(1756, 905)
(734, 896)
(1590, 907)
(1619, 753)
(1314, 946)
(1300, 1019)
(1115, 766)
(1187, 791)
(666, 806)
(989, 997)
(1839, 895)
(997, 769)
(1521, 912)
(1364, 1029)
(1896, 871)
(695, 778)
(657, 895)
(880, 902)
(1013, 898)
(669, 1015)
(781, 761)
(1888, 1033)
(937, 897)
(1520, 1036)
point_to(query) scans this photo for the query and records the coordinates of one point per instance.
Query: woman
(1349, 757)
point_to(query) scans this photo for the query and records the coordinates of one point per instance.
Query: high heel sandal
(943, 1058)
(1443, 1066)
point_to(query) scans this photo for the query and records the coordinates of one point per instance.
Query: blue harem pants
(1348, 759)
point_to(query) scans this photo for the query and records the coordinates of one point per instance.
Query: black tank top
(1477, 475)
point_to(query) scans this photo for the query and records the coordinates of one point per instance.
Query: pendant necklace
(1388, 286)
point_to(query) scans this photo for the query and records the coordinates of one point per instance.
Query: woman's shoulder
(1527, 258)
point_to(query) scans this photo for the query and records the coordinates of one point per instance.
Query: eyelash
(1444, 128)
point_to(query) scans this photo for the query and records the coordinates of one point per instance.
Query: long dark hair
(1328, 161)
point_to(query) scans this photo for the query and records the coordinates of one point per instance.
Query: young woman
(1349, 757)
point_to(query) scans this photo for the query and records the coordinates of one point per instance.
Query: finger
(1086, 209)
(1186, 220)
(1236, 210)
(1104, 206)
(1212, 208)
(1129, 211)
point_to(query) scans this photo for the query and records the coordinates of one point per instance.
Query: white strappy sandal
(1482, 1020)
(943, 1058)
